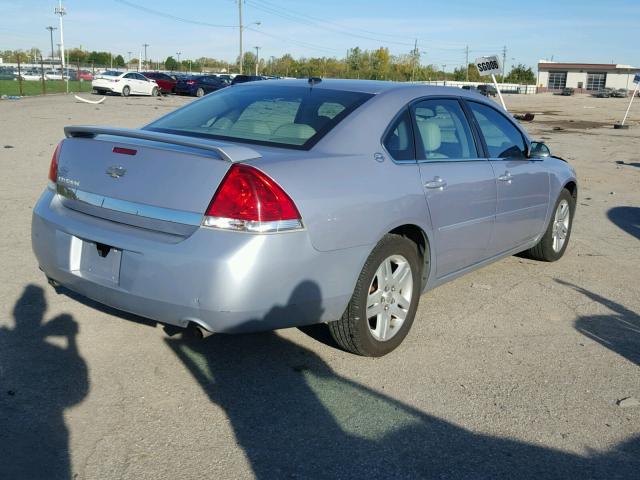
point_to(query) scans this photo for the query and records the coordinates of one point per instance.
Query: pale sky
(581, 31)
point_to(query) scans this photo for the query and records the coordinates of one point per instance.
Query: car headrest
(430, 134)
(294, 130)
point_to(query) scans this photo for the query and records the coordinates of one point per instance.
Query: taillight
(53, 167)
(191, 82)
(248, 200)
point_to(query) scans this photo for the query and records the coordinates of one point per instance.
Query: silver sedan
(287, 203)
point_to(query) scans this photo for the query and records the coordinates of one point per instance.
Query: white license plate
(97, 262)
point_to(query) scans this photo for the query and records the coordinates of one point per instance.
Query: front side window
(256, 113)
(399, 140)
(443, 132)
(502, 137)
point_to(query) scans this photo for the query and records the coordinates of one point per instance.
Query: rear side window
(399, 140)
(502, 137)
(443, 132)
(257, 113)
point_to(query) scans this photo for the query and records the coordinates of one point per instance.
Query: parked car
(7, 73)
(125, 84)
(567, 91)
(487, 90)
(31, 75)
(620, 93)
(246, 78)
(286, 203)
(54, 75)
(166, 82)
(199, 85)
(85, 75)
(603, 93)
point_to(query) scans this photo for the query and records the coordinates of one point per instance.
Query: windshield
(294, 117)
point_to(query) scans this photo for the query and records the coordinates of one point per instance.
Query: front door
(459, 184)
(523, 183)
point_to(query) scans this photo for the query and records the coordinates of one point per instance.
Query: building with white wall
(584, 77)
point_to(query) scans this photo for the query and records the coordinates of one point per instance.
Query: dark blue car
(200, 85)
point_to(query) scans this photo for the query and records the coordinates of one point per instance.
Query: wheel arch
(417, 235)
(572, 187)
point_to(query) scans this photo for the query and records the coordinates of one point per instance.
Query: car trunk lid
(147, 179)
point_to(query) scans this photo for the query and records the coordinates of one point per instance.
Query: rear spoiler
(229, 152)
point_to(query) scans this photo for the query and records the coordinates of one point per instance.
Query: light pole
(444, 72)
(145, 45)
(129, 62)
(241, 27)
(61, 12)
(179, 66)
(257, 58)
(51, 29)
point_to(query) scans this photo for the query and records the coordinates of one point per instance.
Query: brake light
(191, 82)
(248, 200)
(53, 167)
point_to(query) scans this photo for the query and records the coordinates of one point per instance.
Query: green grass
(12, 87)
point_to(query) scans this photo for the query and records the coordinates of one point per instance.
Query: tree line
(378, 64)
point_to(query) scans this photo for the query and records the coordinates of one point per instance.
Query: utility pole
(61, 12)
(444, 73)
(179, 66)
(51, 29)
(240, 28)
(504, 62)
(415, 59)
(129, 62)
(145, 45)
(466, 63)
(257, 58)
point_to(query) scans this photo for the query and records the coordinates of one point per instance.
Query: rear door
(523, 183)
(458, 183)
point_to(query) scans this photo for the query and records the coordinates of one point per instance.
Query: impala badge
(116, 171)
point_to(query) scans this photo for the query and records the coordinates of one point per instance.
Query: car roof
(374, 87)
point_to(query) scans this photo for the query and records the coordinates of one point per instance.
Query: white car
(31, 75)
(124, 83)
(54, 75)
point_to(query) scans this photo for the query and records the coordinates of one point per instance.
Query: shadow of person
(627, 218)
(619, 332)
(38, 380)
(294, 417)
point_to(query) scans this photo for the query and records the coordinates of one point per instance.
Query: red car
(85, 75)
(166, 82)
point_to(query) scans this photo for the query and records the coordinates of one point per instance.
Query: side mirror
(539, 150)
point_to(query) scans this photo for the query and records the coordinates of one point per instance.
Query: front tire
(553, 243)
(126, 91)
(385, 300)
(154, 92)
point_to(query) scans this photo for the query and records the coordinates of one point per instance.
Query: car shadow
(629, 164)
(295, 417)
(619, 332)
(38, 381)
(627, 218)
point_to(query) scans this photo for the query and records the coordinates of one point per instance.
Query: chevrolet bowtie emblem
(116, 171)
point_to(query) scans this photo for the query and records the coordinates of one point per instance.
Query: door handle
(437, 182)
(505, 177)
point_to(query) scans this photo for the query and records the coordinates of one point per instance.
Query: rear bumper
(224, 281)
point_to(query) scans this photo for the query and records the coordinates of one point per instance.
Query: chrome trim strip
(466, 223)
(132, 208)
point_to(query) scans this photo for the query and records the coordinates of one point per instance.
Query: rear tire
(372, 324)
(200, 92)
(126, 91)
(553, 243)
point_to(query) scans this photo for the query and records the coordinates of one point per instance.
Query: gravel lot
(514, 371)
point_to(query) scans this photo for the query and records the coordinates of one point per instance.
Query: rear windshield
(293, 117)
(111, 73)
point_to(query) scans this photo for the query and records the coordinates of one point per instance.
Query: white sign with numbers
(488, 65)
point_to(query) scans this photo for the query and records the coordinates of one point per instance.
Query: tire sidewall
(547, 239)
(126, 91)
(199, 92)
(390, 245)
